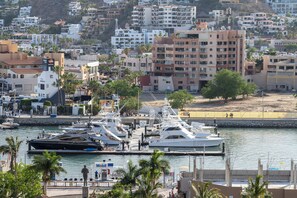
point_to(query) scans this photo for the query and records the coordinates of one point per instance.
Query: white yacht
(9, 124)
(112, 122)
(178, 136)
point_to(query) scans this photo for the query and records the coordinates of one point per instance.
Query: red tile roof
(26, 70)
(28, 61)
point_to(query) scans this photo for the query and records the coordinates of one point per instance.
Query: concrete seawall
(251, 123)
(223, 123)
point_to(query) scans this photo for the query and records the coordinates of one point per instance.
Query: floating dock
(172, 153)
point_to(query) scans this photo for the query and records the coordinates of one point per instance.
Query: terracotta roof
(26, 71)
(28, 61)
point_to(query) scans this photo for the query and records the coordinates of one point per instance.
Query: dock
(167, 153)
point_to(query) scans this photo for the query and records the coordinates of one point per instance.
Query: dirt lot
(271, 102)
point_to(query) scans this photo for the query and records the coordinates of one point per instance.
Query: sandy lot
(271, 102)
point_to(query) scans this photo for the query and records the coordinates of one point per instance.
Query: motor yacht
(69, 141)
(9, 124)
(178, 136)
(112, 122)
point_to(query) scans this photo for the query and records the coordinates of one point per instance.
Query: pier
(168, 153)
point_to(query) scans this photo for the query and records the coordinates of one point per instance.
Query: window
(42, 86)
(22, 76)
(9, 76)
(51, 76)
(13, 76)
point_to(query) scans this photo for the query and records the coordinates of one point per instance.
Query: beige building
(193, 57)
(280, 71)
(137, 62)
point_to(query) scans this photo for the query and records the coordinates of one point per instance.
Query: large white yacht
(178, 136)
(112, 122)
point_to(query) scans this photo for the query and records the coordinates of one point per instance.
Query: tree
(291, 48)
(69, 83)
(179, 99)
(47, 164)
(145, 48)
(129, 176)
(202, 190)
(226, 84)
(130, 105)
(147, 189)
(12, 148)
(117, 191)
(248, 88)
(256, 189)
(123, 88)
(250, 53)
(26, 183)
(155, 166)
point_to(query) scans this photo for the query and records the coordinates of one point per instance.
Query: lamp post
(262, 94)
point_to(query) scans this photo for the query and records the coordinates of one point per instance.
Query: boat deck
(173, 153)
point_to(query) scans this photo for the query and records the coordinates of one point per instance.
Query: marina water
(275, 147)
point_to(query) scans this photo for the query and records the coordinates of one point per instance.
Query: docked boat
(9, 124)
(112, 122)
(177, 136)
(69, 141)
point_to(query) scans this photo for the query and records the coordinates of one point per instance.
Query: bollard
(142, 137)
(223, 147)
(215, 121)
(139, 145)
(145, 130)
(134, 124)
(123, 145)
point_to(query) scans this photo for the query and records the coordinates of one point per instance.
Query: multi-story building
(71, 31)
(25, 11)
(193, 57)
(137, 63)
(283, 6)
(280, 71)
(129, 38)
(163, 16)
(45, 38)
(74, 8)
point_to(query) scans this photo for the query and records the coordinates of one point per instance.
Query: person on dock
(85, 173)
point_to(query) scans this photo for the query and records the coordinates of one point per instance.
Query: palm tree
(256, 189)
(12, 148)
(47, 164)
(155, 166)
(145, 188)
(202, 190)
(129, 176)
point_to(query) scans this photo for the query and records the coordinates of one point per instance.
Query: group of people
(231, 115)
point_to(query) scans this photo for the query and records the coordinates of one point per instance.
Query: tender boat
(69, 141)
(178, 136)
(9, 124)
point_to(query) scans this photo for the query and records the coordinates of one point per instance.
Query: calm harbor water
(275, 147)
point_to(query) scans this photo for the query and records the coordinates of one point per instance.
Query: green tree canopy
(24, 183)
(226, 84)
(47, 164)
(256, 188)
(203, 190)
(130, 105)
(12, 148)
(179, 99)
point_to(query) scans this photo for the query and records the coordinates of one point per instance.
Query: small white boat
(9, 124)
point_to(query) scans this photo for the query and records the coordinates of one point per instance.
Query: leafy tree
(256, 189)
(124, 88)
(117, 191)
(129, 176)
(130, 105)
(12, 148)
(291, 48)
(69, 82)
(47, 164)
(179, 99)
(202, 190)
(226, 84)
(250, 53)
(155, 166)
(147, 189)
(248, 88)
(25, 183)
(145, 48)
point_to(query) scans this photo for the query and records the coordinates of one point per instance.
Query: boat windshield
(175, 137)
(172, 129)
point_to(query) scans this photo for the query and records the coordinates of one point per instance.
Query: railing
(68, 183)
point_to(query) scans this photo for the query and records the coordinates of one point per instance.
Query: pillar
(85, 192)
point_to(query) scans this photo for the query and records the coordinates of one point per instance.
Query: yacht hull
(65, 145)
(186, 143)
